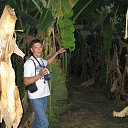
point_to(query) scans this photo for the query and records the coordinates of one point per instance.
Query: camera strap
(42, 66)
(34, 65)
(46, 77)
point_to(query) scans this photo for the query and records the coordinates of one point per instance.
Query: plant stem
(81, 10)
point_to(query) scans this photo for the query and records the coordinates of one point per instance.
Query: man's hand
(61, 50)
(43, 71)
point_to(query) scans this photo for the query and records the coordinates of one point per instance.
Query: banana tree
(42, 19)
(106, 18)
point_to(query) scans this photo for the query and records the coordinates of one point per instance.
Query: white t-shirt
(29, 71)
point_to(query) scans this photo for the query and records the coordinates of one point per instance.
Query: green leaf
(44, 3)
(46, 19)
(67, 35)
(69, 14)
(70, 45)
(37, 5)
(73, 2)
(56, 8)
(81, 10)
(107, 36)
(68, 40)
(70, 29)
(24, 5)
(66, 5)
(27, 19)
(63, 23)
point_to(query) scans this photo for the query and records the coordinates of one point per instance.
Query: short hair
(34, 42)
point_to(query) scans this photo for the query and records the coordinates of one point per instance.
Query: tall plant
(41, 19)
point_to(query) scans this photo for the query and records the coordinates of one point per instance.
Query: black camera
(47, 77)
(32, 88)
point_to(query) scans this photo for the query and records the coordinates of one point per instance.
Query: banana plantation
(88, 85)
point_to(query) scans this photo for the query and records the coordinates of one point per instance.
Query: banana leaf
(67, 5)
(46, 19)
(73, 2)
(42, 23)
(27, 19)
(84, 8)
(24, 5)
(56, 7)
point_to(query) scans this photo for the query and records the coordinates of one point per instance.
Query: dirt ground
(89, 108)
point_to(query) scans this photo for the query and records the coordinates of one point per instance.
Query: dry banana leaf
(10, 104)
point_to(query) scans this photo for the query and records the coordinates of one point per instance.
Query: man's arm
(60, 51)
(31, 80)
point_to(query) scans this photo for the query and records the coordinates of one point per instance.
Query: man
(35, 72)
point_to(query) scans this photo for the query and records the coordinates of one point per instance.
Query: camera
(32, 88)
(47, 77)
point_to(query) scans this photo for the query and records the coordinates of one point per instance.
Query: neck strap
(39, 62)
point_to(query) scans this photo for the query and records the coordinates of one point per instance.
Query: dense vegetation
(92, 31)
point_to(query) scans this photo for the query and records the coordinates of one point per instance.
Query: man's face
(37, 49)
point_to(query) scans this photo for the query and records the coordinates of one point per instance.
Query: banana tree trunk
(10, 104)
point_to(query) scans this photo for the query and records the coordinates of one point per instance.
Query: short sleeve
(45, 62)
(29, 68)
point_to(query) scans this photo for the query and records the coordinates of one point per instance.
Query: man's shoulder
(29, 60)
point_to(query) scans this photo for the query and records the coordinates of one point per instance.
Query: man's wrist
(56, 54)
(41, 73)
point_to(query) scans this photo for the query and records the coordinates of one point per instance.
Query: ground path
(89, 108)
